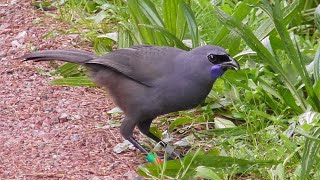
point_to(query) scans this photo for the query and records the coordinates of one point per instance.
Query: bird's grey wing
(143, 63)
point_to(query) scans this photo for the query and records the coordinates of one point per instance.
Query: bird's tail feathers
(73, 56)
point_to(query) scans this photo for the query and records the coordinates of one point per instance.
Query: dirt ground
(51, 132)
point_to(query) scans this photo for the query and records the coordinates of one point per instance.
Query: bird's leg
(137, 145)
(144, 127)
(126, 131)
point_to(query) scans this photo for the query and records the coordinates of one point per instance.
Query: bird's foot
(173, 154)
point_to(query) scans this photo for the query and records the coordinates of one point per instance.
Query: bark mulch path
(50, 132)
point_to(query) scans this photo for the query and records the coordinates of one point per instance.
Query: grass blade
(138, 18)
(170, 15)
(150, 11)
(240, 12)
(178, 43)
(192, 24)
(267, 26)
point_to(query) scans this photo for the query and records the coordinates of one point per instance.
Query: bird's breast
(183, 95)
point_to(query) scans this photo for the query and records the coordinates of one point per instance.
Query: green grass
(261, 122)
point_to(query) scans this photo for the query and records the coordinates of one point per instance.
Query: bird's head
(218, 59)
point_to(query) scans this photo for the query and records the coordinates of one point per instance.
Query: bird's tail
(73, 56)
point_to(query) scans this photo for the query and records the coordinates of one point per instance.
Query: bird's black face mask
(225, 61)
(221, 64)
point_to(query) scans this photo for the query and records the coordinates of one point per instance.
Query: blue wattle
(216, 71)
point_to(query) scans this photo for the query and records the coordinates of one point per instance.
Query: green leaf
(192, 24)
(138, 17)
(225, 132)
(267, 26)
(124, 38)
(156, 131)
(99, 17)
(150, 11)
(185, 120)
(179, 121)
(73, 81)
(240, 12)
(288, 98)
(207, 173)
(170, 15)
(68, 70)
(178, 43)
(310, 153)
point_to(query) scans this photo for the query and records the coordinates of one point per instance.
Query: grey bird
(147, 81)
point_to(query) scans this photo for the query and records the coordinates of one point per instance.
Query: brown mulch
(50, 132)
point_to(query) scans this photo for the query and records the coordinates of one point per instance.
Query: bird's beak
(232, 64)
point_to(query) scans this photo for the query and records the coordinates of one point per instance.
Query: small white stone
(21, 35)
(75, 137)
(76, 117)
(63, 116)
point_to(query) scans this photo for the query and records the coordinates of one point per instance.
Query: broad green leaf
(73, 81)
(221, 123)
(185, 120)
(207, 173)
(179, 121)
(68, 69)
(225, 132)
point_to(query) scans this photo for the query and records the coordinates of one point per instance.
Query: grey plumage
(147, 81)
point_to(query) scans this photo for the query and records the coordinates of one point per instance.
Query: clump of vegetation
(261, 122)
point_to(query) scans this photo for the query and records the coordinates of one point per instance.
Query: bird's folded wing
(143, 64)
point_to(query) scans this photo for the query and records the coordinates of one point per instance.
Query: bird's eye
(212, 58)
